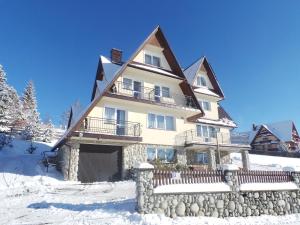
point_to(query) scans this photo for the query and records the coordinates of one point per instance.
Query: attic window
(152, 60)
(201, 81)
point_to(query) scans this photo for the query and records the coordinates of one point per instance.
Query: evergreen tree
(48, 131)
(32, 118)
(8, 99)
(15, 110)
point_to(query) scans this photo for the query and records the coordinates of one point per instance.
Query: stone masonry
(68, 158)
(225, 204)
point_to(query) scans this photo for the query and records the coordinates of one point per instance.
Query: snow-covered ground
(30, 195)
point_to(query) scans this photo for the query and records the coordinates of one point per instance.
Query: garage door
(99, 163)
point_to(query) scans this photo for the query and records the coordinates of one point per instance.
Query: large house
(144, 109)
(275, 137)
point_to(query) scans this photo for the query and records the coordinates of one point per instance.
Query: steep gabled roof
(192, 71)
(282, 130)
(109, 72)
(223, 114)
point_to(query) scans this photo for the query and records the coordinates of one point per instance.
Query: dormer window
(152, 60)
(201, 81)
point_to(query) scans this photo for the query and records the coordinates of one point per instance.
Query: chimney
(254, 127)
(116, 55)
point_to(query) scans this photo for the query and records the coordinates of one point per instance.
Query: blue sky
(253, 46)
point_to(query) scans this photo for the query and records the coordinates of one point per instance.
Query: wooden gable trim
(70, 118)
(152, 71)
(211, 75)
(99, 76)
(259, 131)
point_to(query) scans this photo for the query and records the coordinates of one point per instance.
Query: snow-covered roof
(110, 70)
(192, 70)
(221, 122)
(206, 91)
(282, 130)
(154, 69)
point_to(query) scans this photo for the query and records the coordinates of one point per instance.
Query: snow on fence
(253, 176)
(166, 177)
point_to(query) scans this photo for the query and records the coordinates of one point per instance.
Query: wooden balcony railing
(145, 93)
(253, 176)
(165, 177)
(110, 127)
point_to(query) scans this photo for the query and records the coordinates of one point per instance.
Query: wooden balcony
(102, 128)
(148, 95)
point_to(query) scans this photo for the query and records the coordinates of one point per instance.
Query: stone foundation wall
(68, 158)
(226, 204)
(63, 161)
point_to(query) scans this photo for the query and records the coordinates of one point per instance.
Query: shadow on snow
(123, 205)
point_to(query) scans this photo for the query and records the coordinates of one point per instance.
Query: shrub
(31, 149)
(5, 140)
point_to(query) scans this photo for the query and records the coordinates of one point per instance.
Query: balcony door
(137, 89)
(120, 126)
(115, 121)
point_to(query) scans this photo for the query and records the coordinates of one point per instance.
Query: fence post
(144, 186)
(245, 159)
(231, 177)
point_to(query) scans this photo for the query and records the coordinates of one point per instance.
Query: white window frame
(203, 157)
(152, 55)
(209, 133)
(165, 149)
(201, 102)
(165, 124)
(161, 91)
(199, 76)
(115, 114)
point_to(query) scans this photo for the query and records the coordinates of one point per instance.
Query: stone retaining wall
(234, 203)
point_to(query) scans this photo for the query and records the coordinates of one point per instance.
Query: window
(205, 105)
(109, 115)
(206, 131)
(201, 81)
(165, 92)
(201, 158)
(148, 59)
(151, 120)
(127, 83)
(155, 61)
(152, 60)
(161, 122)
(170, 123)
(162, 154)
(161, 92)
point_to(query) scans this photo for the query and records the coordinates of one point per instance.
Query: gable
(202, 67)
(153, 50)
(264, 136)
(202, 72)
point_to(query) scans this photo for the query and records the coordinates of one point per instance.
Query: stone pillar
(73, 161)
(245, 160)
(212, 159)
(144, 187)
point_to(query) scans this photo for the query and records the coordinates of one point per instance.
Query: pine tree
(48, 131)
(15, 110)
(5, 102)
(32, 118)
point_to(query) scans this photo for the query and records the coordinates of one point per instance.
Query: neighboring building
(274, 137)
(144, 109)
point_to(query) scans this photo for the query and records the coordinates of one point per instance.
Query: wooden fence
(165, 177)
(254, 176)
